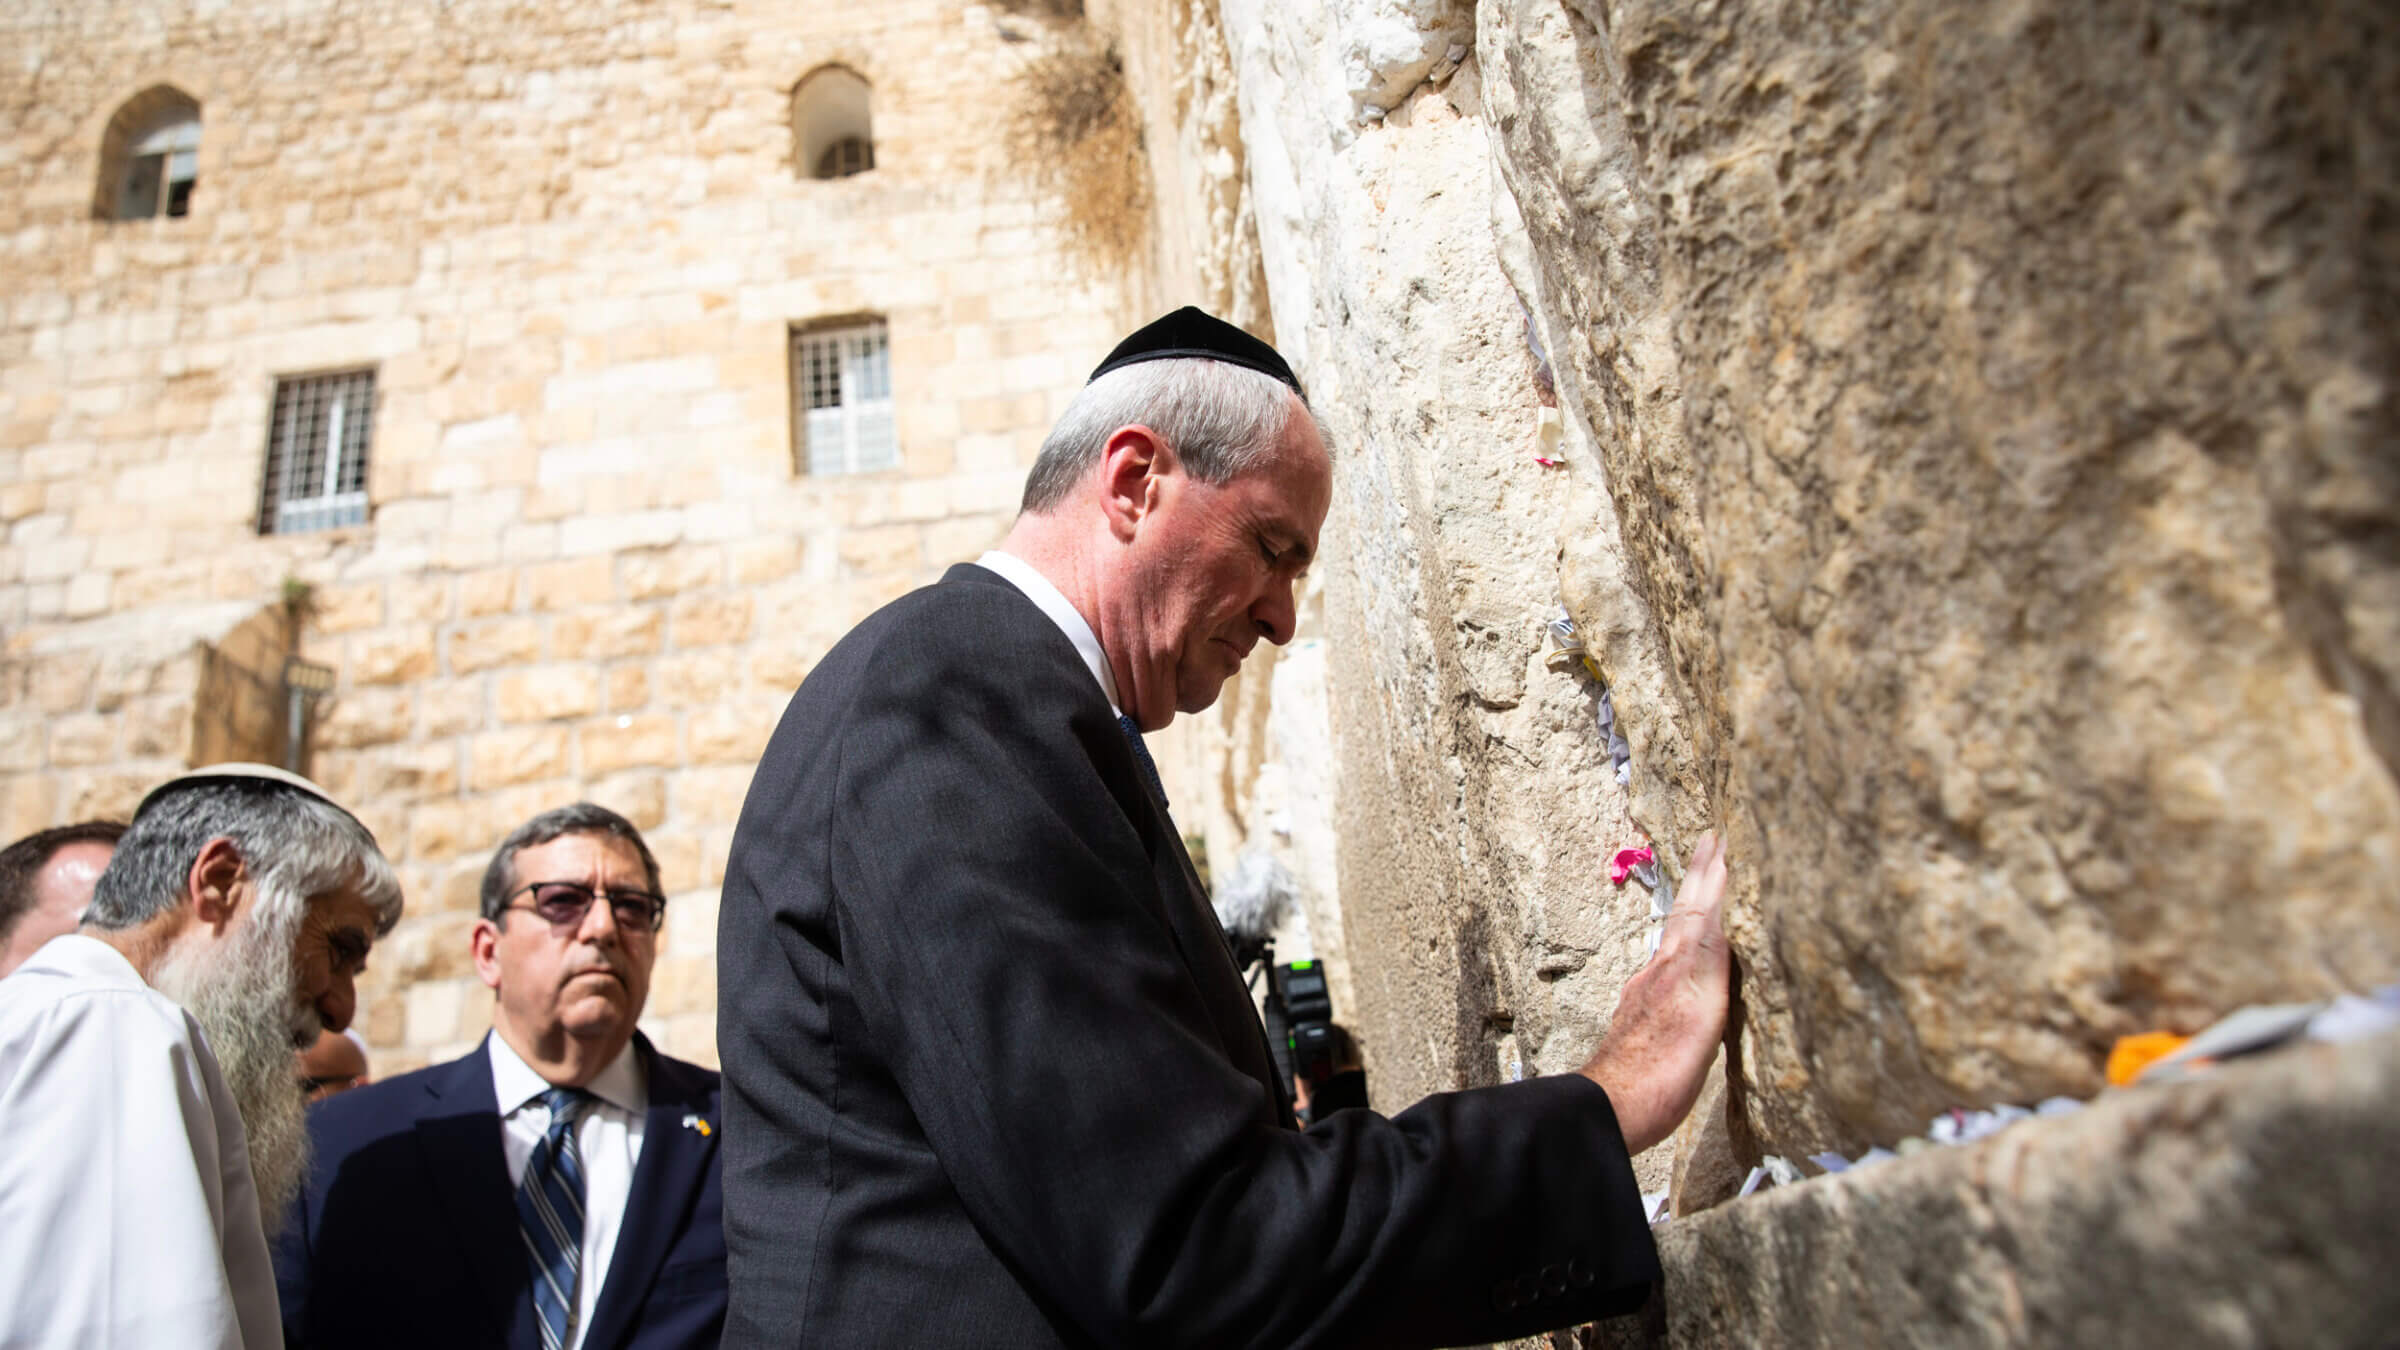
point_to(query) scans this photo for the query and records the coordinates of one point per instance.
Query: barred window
(842, 399)
(316, 475)
(849, 155)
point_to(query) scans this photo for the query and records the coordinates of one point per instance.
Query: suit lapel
(1210, 958)
(667, 1181)
(1194, 922)
(459, 1137)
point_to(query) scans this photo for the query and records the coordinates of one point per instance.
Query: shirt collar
(1021, 574)
(515, 1084)
(86, 959)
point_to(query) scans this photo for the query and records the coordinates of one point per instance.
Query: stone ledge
(2251, 1208)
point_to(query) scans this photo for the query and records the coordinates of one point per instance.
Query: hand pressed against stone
(1671, 1015)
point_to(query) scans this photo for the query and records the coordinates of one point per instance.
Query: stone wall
(1997, 407)
(2242, 1210)
(570, 242)
(1974, 482)
(1456, 788)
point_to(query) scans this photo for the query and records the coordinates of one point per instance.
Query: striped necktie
(550, 1215)
(1141, 756)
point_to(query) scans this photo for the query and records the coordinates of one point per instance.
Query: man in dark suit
(556, 1189)
(993, 1079)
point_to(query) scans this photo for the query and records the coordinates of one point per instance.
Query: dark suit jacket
(406, 1234)
(993, 1079)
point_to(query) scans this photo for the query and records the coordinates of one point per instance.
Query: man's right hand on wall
(1670, 1016)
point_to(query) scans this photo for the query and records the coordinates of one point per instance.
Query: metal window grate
(842, 399)
(849, 155)
(316, 475)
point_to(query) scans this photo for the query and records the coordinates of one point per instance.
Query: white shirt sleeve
(127, 1213)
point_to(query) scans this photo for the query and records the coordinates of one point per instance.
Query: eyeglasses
(564, 904)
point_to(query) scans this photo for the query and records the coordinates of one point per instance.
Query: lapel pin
(696, 1123)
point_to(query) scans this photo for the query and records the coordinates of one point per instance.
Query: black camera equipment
(1308, 1018)
(1298, 1011)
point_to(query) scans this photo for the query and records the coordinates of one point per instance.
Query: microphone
(1254, 899)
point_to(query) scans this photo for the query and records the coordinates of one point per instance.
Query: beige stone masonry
(570, 245)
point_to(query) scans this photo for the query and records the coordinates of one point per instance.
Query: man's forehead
(344, 908)
(83, 854)
(579, 848)
(1304, 480)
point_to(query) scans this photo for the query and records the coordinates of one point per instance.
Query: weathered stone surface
(365, 717)
(606, 633)
(500, 642)
(85, 738)
(614, 743)
(1977, 453)
(652, 574)
(401, 656)
(733, 733)
(696, 680)
(547, 693)
(628, 687)
(708, 794)
(2252, 1208)
(517, 755)
(63, 683)
(564, 585)
(343, 609)
(492, 591)
(1472, 798)
(711, 620)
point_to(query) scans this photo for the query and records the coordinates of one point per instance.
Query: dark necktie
(1141, 756)
(550, 1215)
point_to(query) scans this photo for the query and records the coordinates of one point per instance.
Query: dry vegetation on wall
(1076, 133)
(1048, 9)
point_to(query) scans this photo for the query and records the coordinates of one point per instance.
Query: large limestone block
(1996, 413)
(2248, 1209)
(1473, 809)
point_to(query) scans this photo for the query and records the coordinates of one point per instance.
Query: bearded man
(150, 1133)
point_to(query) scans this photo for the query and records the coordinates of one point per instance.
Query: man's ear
(1131, 465)
(218, 881)
(483, 942)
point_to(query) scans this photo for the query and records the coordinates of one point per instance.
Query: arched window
(150, 157)
(833, 135)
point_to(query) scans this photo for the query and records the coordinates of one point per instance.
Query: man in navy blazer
(558, 1188)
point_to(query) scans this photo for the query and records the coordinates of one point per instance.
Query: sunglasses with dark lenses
(565, 903)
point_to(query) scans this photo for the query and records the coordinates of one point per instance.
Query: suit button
(1554, 1281)
(1579, 1274)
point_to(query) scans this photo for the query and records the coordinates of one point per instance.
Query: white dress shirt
(127, 1214)
(1020, 574)
(609, 1136)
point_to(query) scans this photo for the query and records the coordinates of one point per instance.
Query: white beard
(243, 999)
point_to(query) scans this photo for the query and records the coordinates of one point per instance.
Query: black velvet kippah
(1196, 333)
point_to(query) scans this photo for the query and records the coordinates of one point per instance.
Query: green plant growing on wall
(299, 597)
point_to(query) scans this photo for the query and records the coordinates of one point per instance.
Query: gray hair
(1221, 419)
(500, 876)
(297, 846)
